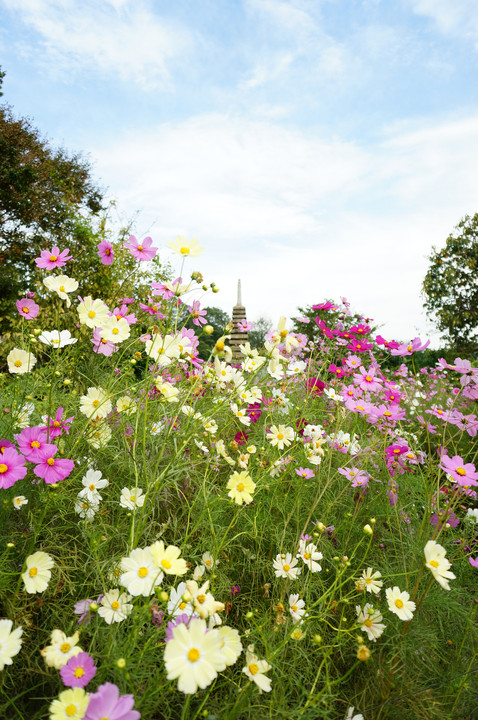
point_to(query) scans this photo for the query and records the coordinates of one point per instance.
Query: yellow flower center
(65, 647)
(62, 288)
(253, 669)
(132, 498)
(95, 403)
(460, 471)
(56, 424)
(240, 487)
(26, 310)
(399, 603)
(434, 563)
(70, 710)
(35, 444)
(208, 562)
(140, 248)
(18, 363)
(194, 655)
(184, 251)
(115, 331)
(143, 571)
(166, 564)
(201, 599)
(182, 605)
(368, 378)
(91, 314)
(368, 622)
(79, 672)
(50, 462)
(286, 568)
(115, 605)
(280, 436)
(3, 468)
(53, 258)
(293, 608)
(33, 571)
(92, 487)
(307, 556)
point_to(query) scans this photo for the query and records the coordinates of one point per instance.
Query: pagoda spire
(237, 336)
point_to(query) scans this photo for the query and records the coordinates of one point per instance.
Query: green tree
(218, 319)
(257, 336)
(450, 287)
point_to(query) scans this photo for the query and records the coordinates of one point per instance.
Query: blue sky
(317, 148)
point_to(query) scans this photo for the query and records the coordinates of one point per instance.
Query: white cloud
(300, 218)
(451, 16)
(118, 38)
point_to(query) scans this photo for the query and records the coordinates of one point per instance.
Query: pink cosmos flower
(52, 469)
(141, 251)
(305, 473)
(153, 308)
(324, 306)
(315, 386)
(101, 345)
(304, 320)
(4, 444)
(182, 619)
(463, 473)
(57, 425)
(409, 348)
(12, 467)
(28, 308)
(198, 315)
(244, 326)
(108, 703)
(359, 345)
(78, 671)
(49, 260)
(473, 562)
(122, 312)
(30, 441)
(366, 379)
(106, 252)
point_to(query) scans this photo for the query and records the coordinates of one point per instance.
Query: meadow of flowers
(292, 534)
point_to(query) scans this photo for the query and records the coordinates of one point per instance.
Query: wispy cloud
(299, 217)
(450, 16)
(116, 38)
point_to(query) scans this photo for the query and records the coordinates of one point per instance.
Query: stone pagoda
(237, 337)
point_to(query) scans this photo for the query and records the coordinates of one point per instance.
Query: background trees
(450, 287)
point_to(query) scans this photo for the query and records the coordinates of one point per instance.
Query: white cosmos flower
(18, 501)
(436, 561)
(132, 498)
(115, 607)
(285, 566)
(57, 339)
(93, 481)
(93, 313)
(194, 656)
(61, 284)
(296, 607)
(62, 648)
(255, 670)
(10, 642)
(20, 361)
(370, 621)
(140, 575)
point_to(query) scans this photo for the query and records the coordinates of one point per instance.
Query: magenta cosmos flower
(108, 703)
(30, 441)
(49, 260)
(78, 671)
(101, 345)
(305, 473)
(106, 252)
(141, 250)
(56, 425)
(28, 308)
(12, 467)
(52, 469)
(463, 473)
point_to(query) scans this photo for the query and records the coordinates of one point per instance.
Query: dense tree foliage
(450, 287)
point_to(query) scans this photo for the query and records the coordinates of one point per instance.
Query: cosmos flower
(143, 251)
(78, 671)
(10, 643)
(12, 467)
(51, 259)
(27, 308)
